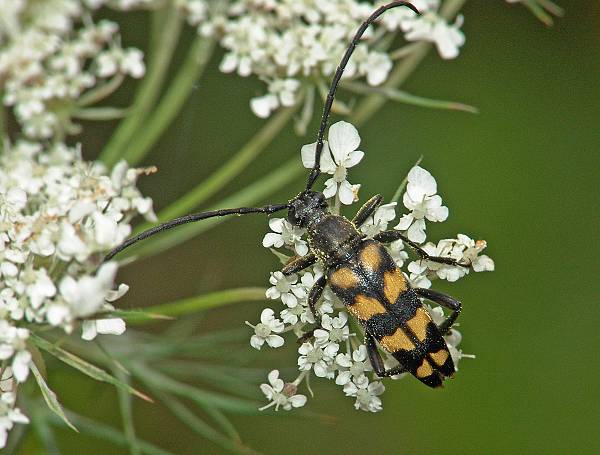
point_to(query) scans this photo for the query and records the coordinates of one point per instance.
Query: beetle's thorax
(333, 239)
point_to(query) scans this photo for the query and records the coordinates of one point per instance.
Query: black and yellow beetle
(359, 271)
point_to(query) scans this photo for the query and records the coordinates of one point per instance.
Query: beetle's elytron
(360, 271)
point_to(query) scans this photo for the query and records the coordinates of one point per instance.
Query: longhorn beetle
(359, 271)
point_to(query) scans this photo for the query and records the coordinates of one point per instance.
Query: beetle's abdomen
(376, 292)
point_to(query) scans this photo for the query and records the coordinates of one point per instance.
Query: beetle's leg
(367, 210)
(313, 297)
(393, 235)
(299, 263)
(444, 300)
(377, 361)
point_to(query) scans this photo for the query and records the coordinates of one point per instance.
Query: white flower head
(285, 234)
(318, 358)
(447, 38)
(366, 393)
(378, 222)
(280, 394)
(284, 288)
(353, 366)
(421, 198)
(333, 330)
(266, 330)
(338, 155)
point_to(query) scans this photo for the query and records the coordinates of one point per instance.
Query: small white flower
(285, 289)
(87, 295)
(281, 394)
(266, 329)
(367, 394)
(431, 27)
(398, 253)
(378, 222)
(339, 154)
(353, 366)
(91, 328)
(421, 198)
(9, 415)
(467, 251)
(333, 330)
(285, 234)
(318, 358)
(282, 92)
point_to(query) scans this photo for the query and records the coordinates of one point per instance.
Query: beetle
(360, 271)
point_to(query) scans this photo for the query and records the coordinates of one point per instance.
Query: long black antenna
(316, 170)
(268, 209)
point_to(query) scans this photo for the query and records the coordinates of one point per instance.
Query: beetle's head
(307, 206)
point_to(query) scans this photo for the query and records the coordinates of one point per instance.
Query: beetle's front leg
(392, 235)
(367, 210)
(377, 361)
(313, 297)
(299, 263)
(444, 300)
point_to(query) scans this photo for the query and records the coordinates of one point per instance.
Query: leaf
(208, 301)
(100, 113)
(164, 383)
(138, 316)
(408, 98)
(50, 397)
(108, 433)
(201, 427)
(85, 367)
(127, 413)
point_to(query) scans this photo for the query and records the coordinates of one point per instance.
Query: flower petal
(343, 139)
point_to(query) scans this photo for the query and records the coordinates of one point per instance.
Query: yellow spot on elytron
(343, 278)
(418, 324)
(365, 308)
(439, 357)
(398, 340)
(424, 370)
(393, 285)
(370, 257)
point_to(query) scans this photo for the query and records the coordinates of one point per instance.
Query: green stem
(408, 98)
(402, 185)
(127, 413)
(257, 191)
(172, 102)
(99, 93)
(230, 169)
(204, 302)
(148, 91)
(3, 132)
(367, 107)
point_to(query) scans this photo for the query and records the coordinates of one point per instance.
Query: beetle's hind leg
(367, 210)
(393, 235)
(313, 297)
(446, 301)
(299, 263)
(377, 361)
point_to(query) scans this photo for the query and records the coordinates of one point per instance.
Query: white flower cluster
(294, 44)
(55, 61)
(335, 350)
(9, 413)
(59, 215)
(50, 56)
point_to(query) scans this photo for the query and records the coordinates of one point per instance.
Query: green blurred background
(522, 174)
